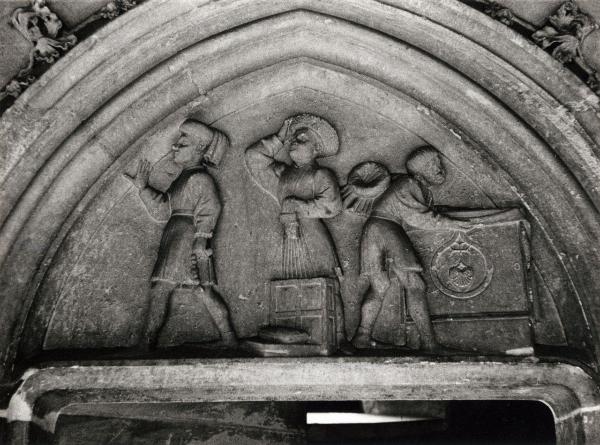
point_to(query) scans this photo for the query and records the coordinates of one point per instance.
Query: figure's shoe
(146, 345)
(345, 347)
(229, 339)
(362, 340)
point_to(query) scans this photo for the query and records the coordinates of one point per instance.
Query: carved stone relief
(569, 34)
(306, 296)
(392, 181)
(316, 236)
(191, 208)
(421, 268)
(410, 272)
(565, 35)
(424, 277)
(500, 13)
(44, 31)
(460, 269)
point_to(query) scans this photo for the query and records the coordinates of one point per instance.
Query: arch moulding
(513, 127)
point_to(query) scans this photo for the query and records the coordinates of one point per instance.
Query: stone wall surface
(479, 150)
(113, 231)
(14, 48)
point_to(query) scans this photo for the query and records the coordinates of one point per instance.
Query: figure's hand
(288, 218)
(198, 254)
(199, 250)
(283, 131)
(290, 205)
(143, 174)
(201, 254)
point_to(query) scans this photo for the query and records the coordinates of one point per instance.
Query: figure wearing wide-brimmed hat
(191, 207)
(306, 192)
(386, 251)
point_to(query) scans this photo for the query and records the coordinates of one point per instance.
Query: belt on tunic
(182, 212)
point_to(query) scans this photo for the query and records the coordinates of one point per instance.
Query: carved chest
(478, 288)
(308, 305)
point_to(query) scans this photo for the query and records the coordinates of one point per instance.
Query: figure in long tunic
(386, 251)
(191, 207)
(307, 194)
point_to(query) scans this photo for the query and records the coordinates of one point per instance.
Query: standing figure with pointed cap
(285, 166)
(191, 207)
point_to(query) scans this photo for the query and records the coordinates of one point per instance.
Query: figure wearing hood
(191, 207)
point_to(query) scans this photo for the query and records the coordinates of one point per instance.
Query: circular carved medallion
(460, 269)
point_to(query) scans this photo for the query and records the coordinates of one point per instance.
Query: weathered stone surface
(570, 392)
(410, 177)
(14, 48)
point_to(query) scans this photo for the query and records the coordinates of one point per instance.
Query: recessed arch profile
(484, 94)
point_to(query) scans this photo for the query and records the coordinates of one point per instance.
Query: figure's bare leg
(418, 310)
(220, 314)
(156, 315)
(370, 310)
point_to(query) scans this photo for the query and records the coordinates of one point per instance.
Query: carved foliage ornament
(49, 41)
(563, 34)
(500, 13)
(43, 29)
(115, 8)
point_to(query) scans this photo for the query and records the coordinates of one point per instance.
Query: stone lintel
(569, 391)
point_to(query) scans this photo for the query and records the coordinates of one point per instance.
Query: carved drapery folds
(191, 206)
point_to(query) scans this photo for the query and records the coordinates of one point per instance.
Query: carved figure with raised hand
(306, 192)
(388, 259)
(191, 207)
(285, 166)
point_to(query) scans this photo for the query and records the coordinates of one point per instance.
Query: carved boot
(229, 339)
(149, 338)
(147, 344)
(362, 339)
(344, 346)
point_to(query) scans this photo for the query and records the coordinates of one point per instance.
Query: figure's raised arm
(156, 202)
(262, 163)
